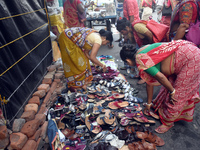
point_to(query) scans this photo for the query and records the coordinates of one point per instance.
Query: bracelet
(149, 104)
(171, 93)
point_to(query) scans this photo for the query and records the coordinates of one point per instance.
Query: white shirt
(160, 2)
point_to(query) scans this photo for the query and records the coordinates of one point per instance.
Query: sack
(167, 11)
(159, 30)
(193, 34)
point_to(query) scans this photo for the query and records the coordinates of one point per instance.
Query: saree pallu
(76, 65)
(185, 80)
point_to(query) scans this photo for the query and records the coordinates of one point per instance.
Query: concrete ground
(184, 135)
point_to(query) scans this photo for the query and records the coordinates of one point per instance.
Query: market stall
(102, 13)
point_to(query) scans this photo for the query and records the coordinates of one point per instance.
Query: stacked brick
(30, 131)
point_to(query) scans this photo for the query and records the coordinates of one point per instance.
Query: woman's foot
(163, 128)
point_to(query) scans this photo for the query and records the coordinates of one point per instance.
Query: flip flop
(109, 118)
(91, 96)
(100, 119)
(118, 96)
(142, 119)
(152, 114)
(97, 109)
(93, 127)
(90, 100)
(110, 98)
(163, 128)
(118, 104)
(124, 121)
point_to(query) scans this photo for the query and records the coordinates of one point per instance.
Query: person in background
(71, 7)
(78, 45)
(147, 9)
(167, 9)
(131, 13)
(174, 65)
(84, 2)
(183, 15)
(159, 6)
(119, 11)
(130, 10)
(125, 28)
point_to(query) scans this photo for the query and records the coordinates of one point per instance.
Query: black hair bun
(102, 31)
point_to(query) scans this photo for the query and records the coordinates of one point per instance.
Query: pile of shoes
(104, 115)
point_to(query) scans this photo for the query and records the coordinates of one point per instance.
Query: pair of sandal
(107, 118)
(93, 127)
(118, 104)
(139, 116)
(142, 145)
(115, 96)
(150, 137)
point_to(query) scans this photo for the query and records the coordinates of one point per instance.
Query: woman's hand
(172, 99)
(104, 68)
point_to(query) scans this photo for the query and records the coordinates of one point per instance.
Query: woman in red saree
(71, 7)
(174, 65)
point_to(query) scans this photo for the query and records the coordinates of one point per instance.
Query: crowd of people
(163, 57)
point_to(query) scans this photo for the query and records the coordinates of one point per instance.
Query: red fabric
(155, 56)
(159, 30)
(186, 83)
(158, 35)
(147, 3)
(70, 14)
(139, 41)
(166, 20)
(187, 13)
(130, 8)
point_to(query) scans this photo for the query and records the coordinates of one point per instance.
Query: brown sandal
(149, 146)
(136, 146)
(150, 137)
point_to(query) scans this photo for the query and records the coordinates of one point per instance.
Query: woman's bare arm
(93, 54)
(80, 8)
(162, 79)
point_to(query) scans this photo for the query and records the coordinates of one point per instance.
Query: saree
(185, 80)
(71, 15)
(76, 65)
(184, 12)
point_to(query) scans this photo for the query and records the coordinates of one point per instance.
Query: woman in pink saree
(174, 65)
(71, 9)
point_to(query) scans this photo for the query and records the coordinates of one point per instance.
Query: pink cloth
(130, 8)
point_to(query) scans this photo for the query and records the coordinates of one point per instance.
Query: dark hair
(122, 24)
(107, 34)
(127, 53)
